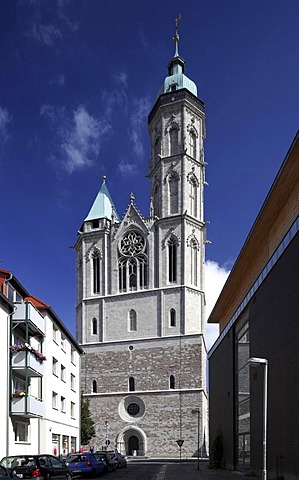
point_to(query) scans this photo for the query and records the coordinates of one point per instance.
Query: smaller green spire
(103, 206)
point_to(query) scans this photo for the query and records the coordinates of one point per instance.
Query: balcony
(26, 361)
(27, 406)
(26, 315)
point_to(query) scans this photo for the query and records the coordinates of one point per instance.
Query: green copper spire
(103, 206)
(177, 79)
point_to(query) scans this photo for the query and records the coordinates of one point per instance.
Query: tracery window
(156, 200)
(194, 266)
(132, 320)
(172, 260)
(173, 194)
(157, 150)
(174, 139)
(132, 261)
(96, 271)
(192, 144)
(193, 196)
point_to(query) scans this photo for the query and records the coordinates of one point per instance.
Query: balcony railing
(27, 406)
(26, 361)
(27, 313)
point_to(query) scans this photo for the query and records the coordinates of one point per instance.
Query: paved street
(167, 470)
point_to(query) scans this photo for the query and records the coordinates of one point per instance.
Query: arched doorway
(133, 445)
(130, 440)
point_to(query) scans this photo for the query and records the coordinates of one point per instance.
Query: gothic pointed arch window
(172, 317)
(192, 144)
(172, 382)
(157, 149)
(172, 260)
(174, 139)
(96, 271)
(193, 195)
(131, 384)
(173, 193)
(132, 262)
(94, 386)
(194, 262)
(94, 326)
(132, 320)
(156, 200)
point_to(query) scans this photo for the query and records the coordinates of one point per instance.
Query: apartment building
(40, 404)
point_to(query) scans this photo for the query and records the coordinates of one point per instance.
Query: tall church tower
(140, 292)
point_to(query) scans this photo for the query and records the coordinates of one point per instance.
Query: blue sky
(78, 79)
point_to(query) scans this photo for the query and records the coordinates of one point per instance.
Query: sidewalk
(188, 471)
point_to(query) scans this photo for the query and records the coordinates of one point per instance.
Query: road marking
(161, 474)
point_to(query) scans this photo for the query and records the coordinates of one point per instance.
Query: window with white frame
(63, 373)
(55, 333)
(73, 409)
(55, 367)
(63, 342)
(73, 356)
(73, 382)
(62, 404)
(21, 430)
(54, 400)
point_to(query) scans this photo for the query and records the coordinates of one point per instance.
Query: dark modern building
(258, 313)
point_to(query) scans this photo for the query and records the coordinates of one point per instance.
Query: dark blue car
(85, 464)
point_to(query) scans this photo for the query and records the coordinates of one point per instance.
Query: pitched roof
(103, 206)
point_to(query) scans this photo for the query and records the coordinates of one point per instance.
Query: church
(140, 310)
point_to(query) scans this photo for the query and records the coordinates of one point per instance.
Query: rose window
(132, 243)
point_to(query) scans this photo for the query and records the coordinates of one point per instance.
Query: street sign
(180, 443)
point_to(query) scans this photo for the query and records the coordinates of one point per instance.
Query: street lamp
(257, 362)
(197, 410)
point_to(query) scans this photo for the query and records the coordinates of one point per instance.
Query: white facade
(32, 422)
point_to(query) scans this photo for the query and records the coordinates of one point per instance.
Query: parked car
(5, 475)
(43, 467)
(120, 460)
(85, 464)
(107, 457)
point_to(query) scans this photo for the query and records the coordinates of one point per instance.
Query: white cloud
(127, 169)
(59, 80)
(80, 136)
(121, 78)
(47, 34)
(114, 99)
(5, 119)
(215, 277)
(137, 119)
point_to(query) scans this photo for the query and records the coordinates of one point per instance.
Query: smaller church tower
(140, 291)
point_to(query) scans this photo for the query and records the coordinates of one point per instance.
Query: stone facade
(140, 294)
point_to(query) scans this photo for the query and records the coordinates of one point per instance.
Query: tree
(87, 423)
